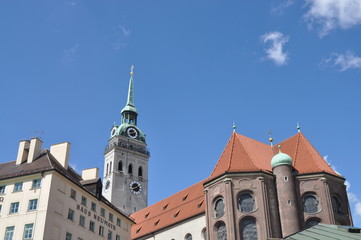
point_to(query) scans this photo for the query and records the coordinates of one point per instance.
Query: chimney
(23, 152)
(89, 174)
(35, 149)
(61, 153)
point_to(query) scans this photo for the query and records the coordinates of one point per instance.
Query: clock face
(135, 187)
(132, 132)
(107, 185)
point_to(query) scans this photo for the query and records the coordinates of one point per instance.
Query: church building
(255, 191)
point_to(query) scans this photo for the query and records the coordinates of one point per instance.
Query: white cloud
(343, 61)
(331, 14)
(353, 198)
(275, 51)
(73, 166)
(71, 53)
(282, 6)
(119, 36)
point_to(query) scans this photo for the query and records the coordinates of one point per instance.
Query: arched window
(221, 231)
(110, 167)
(249, 229)
(219, 208)
(140, 172)
(204, 234)
(130, 169)
(312, 222)
(336, 205)
(246, 202)
(310, 203)
(120, 166)
(106, 173)
(188, 237)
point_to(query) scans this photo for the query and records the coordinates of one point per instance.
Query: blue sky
(199, 66)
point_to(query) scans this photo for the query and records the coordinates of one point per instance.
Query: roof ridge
(224, 150)
(296, 150)
(171, 209)
(231, 155)
(248, 152)
(310, 150)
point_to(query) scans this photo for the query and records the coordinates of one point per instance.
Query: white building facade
(41, 197)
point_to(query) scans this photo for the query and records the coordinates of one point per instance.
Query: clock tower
(125, 179)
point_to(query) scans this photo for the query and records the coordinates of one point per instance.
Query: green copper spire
(130, 101)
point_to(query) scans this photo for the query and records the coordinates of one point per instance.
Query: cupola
(281, 159)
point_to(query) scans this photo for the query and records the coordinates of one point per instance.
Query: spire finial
(298, 127)
(130, 91)
(234, 126)
(279, 148)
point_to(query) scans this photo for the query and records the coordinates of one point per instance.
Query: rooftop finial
(270, 137)
(234, 126)
(279, 148)
(298, 127)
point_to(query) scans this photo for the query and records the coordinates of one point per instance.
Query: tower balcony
(126, 145)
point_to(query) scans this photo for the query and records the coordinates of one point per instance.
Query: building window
(249, 229)
(91, 226)
(28, 231)
(83, 200)
(111, 217)
(188, 237)
(102, 212)
(336, 205)
(68, 236)
(120, 166)
(312, 222)
(33, 204)
(73, 194)
(219, 208)
(82, 220)
(118, 222)
(246, 202)
(71, 214)
(106, 173)
(14, 207)
(94, 206)
(36, 183)
(101, 230)
(140, 172)
(9, 233)
(310, 203)
(110, 235)
(2, 189)
(0, 207)
(130, 169)
(221, 231)
(18, 187)
(117, 237)
(204, 234)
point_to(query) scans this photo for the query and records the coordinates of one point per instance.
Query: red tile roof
(241, 154)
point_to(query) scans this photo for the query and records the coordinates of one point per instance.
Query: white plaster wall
(193, 226)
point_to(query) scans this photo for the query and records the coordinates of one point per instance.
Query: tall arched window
(248, 229)
(219, 208)
(310, 203)
(110, 167)
(204, 234)
(336, 205)
(188, 237)
(106, 173)
(120, 166)
(130, 169)
(246, 202)
(140, 171)
(221, 231)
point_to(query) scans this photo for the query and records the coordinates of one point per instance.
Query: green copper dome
(281, 159)
(123, 130)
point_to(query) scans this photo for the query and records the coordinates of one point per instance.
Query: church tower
(126, 161)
